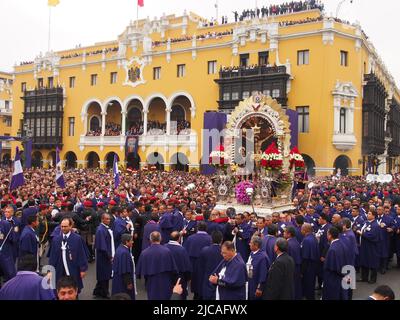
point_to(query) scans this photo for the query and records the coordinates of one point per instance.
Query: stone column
(168, 121)
(85, 124)
(103, 123)
(145, 113)
(123, 126)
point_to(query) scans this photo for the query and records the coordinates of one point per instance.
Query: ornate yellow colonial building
(6, 105)
(161, 76)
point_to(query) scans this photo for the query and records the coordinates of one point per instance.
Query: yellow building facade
(160, 76)
(6, 106)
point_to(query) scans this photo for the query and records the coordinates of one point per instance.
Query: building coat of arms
(134, 72)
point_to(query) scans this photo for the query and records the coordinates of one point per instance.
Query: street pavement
(362, 291)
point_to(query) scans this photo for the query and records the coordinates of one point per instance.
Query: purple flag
(116, 172)
(59, 173)
(17, 179)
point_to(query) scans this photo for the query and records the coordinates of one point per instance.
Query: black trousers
(101, 289)
(366, 272)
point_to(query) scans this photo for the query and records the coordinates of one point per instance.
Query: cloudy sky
(24, 23)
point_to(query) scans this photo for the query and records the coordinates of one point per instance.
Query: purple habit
(210, 257)
(158, 267)
(29, 242)
(193, 245)
(183, 264)
(103, 253)
(26, 285)
(309, 266)
(260, 263)
(335, 260)
(294, 251)
(123, 272)
(75, 255)
(148, 229)
(232, 285)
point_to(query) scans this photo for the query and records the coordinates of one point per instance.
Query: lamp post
(340, 6)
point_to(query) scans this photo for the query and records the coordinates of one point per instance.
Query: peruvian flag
(140, 3)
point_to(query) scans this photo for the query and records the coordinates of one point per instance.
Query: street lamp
(250, 192)
(340, 5)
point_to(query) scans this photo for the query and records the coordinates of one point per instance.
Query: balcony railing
(6, 145)
(251, 71)
(189, 140)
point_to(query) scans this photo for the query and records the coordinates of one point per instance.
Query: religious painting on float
(134, 72)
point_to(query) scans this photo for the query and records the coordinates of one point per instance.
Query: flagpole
(137, 15)
(49, 39)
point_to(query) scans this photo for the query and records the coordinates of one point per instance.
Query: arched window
(94, 123)
(342, 126)
(177, 113)
(135, 115)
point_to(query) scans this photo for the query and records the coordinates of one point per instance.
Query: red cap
(88, 203)
(64, 204)
(199, 218)
(112, 202)
(100, 204)
(43, 206)
(123, 196)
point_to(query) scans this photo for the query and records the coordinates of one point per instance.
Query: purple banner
(212, 120)
(294, 127)
(28, 154)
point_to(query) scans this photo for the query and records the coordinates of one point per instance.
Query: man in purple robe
(209, 258)
(7, 239)
(151, 225)
(27, 284)
(158, 267)
(257, 269)
(124, 269)
(193, 245)
(105, 251)
(334, 262)
(322, 237)
(386, 222)
(29, 241)
(16, 233)
(242, 233)
(230, 276)
(122, 224)
(294, 250)
(369, 249)
(68, 255)
(310, 259)
(182, 261)
(166, 224)
(270, 240)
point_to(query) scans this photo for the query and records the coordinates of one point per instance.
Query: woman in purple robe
(158, 267)
(124, 269)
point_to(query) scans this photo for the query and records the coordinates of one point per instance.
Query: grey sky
(24, 23)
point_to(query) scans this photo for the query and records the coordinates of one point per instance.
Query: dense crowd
(168, 222)
(274, 10)
(208, 35)
(89, 53)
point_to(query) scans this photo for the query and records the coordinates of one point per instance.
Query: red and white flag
(140, 3)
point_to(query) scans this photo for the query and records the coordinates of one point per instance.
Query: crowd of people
(274, 10)
(169, 223)
(90, 53)
(208, 35)
(295, 22)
